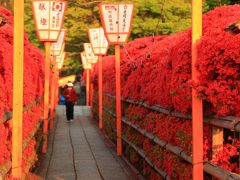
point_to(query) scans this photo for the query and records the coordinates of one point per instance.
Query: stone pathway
(77, 151)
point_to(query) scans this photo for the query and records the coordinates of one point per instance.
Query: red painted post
(53, 89)
(100, 89)
(46, 96)
(57, 89)
(197, 110)
(87, 86)
(91, 98)
(18, 68)
(118, 100)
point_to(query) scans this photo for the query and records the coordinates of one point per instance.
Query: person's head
(70, 85)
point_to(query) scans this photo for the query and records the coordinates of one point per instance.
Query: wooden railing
(229, 122)
(6, 167)
(223, 122)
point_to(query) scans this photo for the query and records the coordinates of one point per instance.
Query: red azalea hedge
(158, 70)
(33, 89)
(173, 130)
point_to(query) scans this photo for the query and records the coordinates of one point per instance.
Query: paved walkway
(76, 151)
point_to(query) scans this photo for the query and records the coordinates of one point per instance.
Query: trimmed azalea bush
(157, 71)
(33, 93)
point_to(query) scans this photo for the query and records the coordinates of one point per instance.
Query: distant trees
(151, 17)
(211, 4)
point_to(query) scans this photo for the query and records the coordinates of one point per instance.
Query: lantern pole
(57, 88)
(53, 90)
(100, 90)
(91, 94)
(197, 110)
(87, 86)
(48, 31)
(117, 33)
(18, 63)
(118, 100)
(46, 95)
(99, 43)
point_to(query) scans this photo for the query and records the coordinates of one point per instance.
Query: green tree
(160, 17)
(211, 4)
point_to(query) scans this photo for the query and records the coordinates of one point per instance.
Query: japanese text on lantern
(112, 18)
(125, 17)
(57, 9)
(117, 21)
(42, 14)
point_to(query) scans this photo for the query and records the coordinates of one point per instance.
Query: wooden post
(53, 89)
(46, 95)
(197, 110)
(118, 100)
(87, 86)
(100, 89)
(18, 64)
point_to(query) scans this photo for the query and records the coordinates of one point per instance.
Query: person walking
(71, 97)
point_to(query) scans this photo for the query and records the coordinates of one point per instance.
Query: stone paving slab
(91, 160)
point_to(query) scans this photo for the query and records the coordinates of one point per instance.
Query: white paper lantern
(48, 17)
(98, 41)
(116, 19)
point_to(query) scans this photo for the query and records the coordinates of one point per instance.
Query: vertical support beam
(197, 110)
(100, 89)
(118, 100)
(46, 95)
(53, 89)
(217, 140)
(18, 63)
(57, 86)
(91, 98)
(56, 89)
(87, 86)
